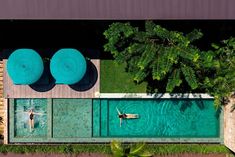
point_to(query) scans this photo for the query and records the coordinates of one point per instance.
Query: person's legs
(129, 116)
(32, 123)
(30, 126)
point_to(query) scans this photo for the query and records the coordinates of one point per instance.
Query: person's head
(31, 110)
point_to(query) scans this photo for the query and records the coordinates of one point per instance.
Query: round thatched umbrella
(68, 66)
(25, 66)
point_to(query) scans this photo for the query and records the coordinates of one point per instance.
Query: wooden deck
(58, 91)
(229, 125)
(2, 109)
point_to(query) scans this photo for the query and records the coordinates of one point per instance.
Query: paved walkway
(229, 125)
(99, 155)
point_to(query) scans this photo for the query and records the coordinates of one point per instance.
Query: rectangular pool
(96, 120)
(158, 118)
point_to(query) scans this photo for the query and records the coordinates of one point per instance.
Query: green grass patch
(165, 149)
(156, 149)
(58, 149)
(114, 79)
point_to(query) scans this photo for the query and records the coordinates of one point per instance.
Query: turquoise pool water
(96, 120)
(158, 118)
(22, 106)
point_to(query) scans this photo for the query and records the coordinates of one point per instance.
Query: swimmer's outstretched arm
(118, 111)
(38, 113)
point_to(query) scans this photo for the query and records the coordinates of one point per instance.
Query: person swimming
(31, 118)
(126, 116)
(122, 115)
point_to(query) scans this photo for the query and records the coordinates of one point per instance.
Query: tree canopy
(170, 62)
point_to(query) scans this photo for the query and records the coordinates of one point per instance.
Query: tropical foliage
(134, 150)
(220, 65)
(169, 61)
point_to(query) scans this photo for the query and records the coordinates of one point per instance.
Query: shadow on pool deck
(89, 79)
(46, 82)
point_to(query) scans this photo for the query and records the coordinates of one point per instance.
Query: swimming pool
(158, 118)
(96, 120)
(21, 117)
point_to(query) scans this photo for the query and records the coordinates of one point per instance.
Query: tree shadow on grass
(89, 79)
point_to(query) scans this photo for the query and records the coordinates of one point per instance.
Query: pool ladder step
(96, 118)
(104, 118)
(100, 118)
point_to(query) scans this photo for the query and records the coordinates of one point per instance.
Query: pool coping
(49, 139)
(155, 96)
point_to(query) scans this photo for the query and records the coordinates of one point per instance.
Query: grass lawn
(156, 149)
(114, 79)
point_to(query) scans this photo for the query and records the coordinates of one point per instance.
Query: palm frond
(117, 149)
(140, 76)
(137, 148)
(173, 81)
(145, 154)
(147, 56)
(194, 35)
(190, 76)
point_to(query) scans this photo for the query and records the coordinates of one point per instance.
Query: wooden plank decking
(2, 109)
(58, 91)
(229, 125)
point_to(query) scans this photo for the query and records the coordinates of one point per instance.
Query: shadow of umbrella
(88, 80)
(46, 81)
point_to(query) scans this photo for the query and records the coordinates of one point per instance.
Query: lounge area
(65, 75)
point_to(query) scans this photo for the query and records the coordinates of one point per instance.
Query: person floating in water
(126, 116)
(31, 118)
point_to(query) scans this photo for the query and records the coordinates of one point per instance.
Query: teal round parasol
(25, 66)
(68, 66)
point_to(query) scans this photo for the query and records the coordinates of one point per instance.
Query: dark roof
(117, 9)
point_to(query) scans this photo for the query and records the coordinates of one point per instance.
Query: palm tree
(135, 150)
(156, 54)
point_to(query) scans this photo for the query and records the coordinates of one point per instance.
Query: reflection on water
(22, 106)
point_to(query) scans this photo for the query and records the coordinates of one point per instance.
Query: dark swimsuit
(122, 116)
(31, 116)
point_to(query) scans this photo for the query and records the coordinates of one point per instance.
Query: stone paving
(229, 125)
